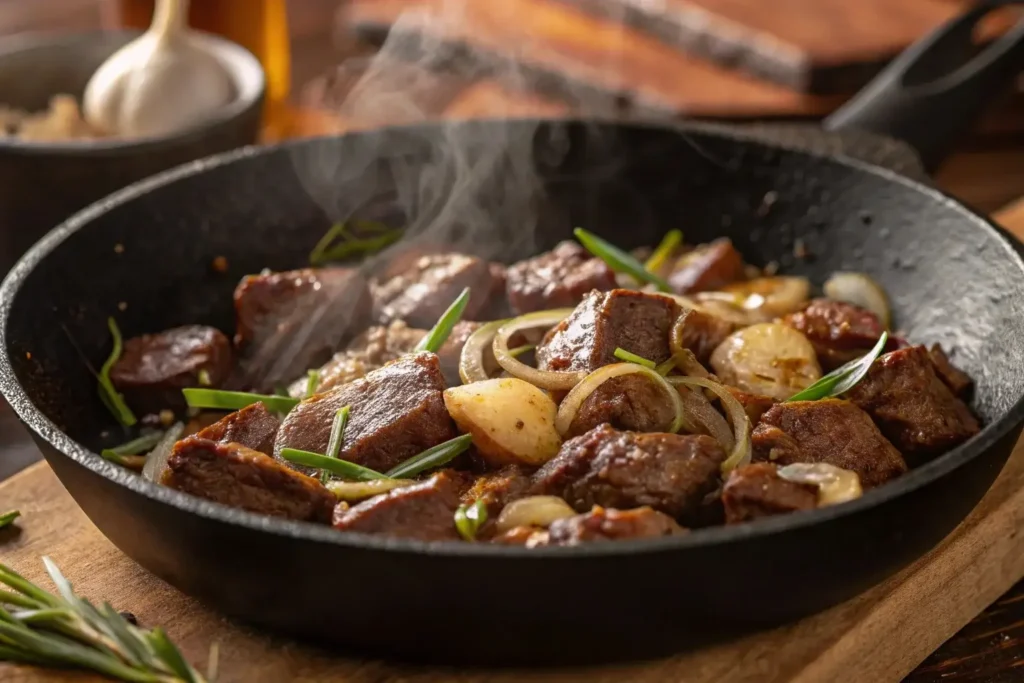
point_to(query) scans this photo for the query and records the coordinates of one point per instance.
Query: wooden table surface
(986, 174)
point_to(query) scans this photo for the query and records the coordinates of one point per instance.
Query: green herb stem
(618, 260)
(520, 350)
(219, 399)
(843, 378)
(111, 398)
(343, 468)
(439, 333)
(6, 519)
(203, 378)
(336, 440)
(626, 356)
(440, 454)
(338, 243)
(143, 444)
(312, 382)
(469, 519)
(665, 368)
(132, 462)
(665, 249)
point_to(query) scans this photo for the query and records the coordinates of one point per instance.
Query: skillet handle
(933, 92)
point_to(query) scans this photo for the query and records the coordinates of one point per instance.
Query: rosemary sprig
(111, 398)
(440, 332)
(63, 630)
(618, 260)
(6, 519)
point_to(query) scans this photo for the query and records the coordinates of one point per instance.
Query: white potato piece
(512, 421)
(770, 359)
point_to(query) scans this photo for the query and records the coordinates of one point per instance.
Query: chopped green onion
(7, 518)
(350, 245)
(440, 454)
(342, 468)
(204, 378)
(843, 378)
(468, 520)
(143, 444)
(219, 399)
(520, 350)
(439, 333)
(113, 400)
(132, 462)
(281, 391)
(337, 438)
(665, 368)
(671, 240)
(624, 355)
(618, 260)
(312, 382)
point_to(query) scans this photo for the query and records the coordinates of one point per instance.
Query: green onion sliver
(671, 240)
(469, 519)
(113, 400)
(618, 260)
(312, 382)
(337, 437)
(343, 468)
(665, 368)
(218, 399)
(143, 444)
(440, 454)
(624, 355)
(7, 518)
(843, 378)
(439, 333)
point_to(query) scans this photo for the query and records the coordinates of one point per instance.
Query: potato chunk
(770, 359)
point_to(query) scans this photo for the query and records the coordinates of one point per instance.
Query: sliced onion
(718, 304)
(534, 511)
(861, 290)
(353, 491)
(684, 358)
(156, 460)
(575, 398)
(835, 485)
(472, 367)
(741, 450)
(540, 378)
(701, 417)
(770, 297)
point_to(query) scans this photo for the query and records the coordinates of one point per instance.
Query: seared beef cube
(289, 322)
(423, 511)
(839, 331)
(154, 368)
(234, 475)
(754, 405)
(702, 333)
(831, 431)
(557, 279)
(397, 411)
(600, 524)
(498, 489)
(708, 267)
(756, 490)
(421, 294)
(370, 350)
(913, 407)
(958, 381)
(637, 322)
(632, 402)
(669, 472)
(254, 427)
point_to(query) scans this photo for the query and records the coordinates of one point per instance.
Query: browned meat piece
(637, 322)
(450, 353)
(831, 431)
(839, 331)
(707, 267)
(556, 279)
(422, 293)
(498, 489)
(958, 381)
(397, 412)
(632, 402)
(912, 406)
(289, 322)
(370, 350)
(600, 524)
(154, 368)
(702, 333)
(754, 405)
(669, 472)
(254, 427)
(522, 535)
(234, 475)
(423, 511)
(756, 490)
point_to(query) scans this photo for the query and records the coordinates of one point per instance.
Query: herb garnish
(342, 468)
(337, 438)
(618, 260)
(624, 355)
(520, 350)
(440, 332)
(441, 454)
(113, 400)
(843, 378)
(671, 240)
(468, 520)
(312, 382)
(130, 454)
(340, 243)
(218, 399)
(6, 519)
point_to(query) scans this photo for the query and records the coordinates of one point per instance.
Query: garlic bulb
(160, 83)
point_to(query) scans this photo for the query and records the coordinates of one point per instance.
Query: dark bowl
(954, 278)
(44, 183)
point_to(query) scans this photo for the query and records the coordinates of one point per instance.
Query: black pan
(954, 277)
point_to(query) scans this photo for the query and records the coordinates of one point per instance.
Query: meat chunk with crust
(231, 474)
(254, 427)
(556, 279)
(423, 511)
(637, 322)
(370, 350)
(631, 402)
(420, 294)
(396, 412)
(756, 490)
(702, 333)
(912, 406)
(291, 321)
(708, 267)
(601, 524)
(668, 472)
(754, 405)
(838, 331)
(498, 489)
(154, 368)
(958, 381)
(832, 431)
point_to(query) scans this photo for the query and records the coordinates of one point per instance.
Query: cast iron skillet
(954, 278)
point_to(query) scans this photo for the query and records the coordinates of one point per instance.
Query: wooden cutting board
(878, 637)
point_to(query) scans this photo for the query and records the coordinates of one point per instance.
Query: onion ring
(471, 361)
(575, 398)
(533, 511)
(835, 485)
(707, 420)
(540, 378)
(741, 451)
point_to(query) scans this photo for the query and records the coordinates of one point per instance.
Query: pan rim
(44, 428)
